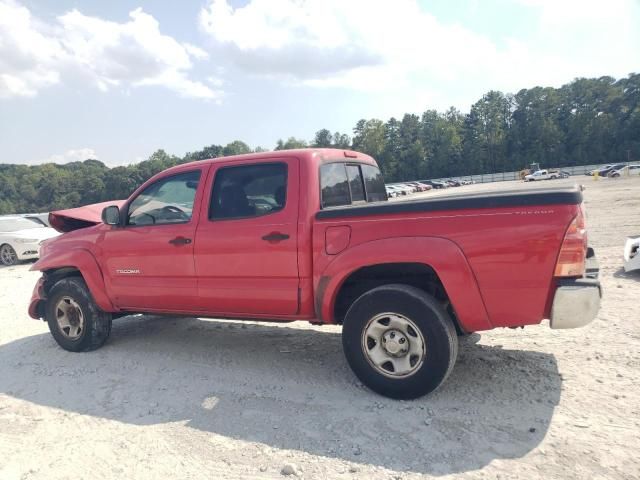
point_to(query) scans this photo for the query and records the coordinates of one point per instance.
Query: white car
(396, 190)
(20, 238)
(542, 175)
(391, 192)
(404, 188)
(626, 171)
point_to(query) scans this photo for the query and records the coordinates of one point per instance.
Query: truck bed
(523, 197)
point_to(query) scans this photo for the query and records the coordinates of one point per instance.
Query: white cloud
(303, 39)
(34, 55)
(395, 44)
(73, 155)
(333, 42)
(359, 43)
(27, 55)
(586, 37)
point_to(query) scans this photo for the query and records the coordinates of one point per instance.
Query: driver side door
(148, 259)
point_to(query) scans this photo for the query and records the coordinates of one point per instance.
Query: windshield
(15, 224)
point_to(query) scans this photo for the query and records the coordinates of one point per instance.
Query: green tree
(341, 140)
(292, 143)
(368, 137)
(487, 127)
(586, 121)
(236, 147)
(212, 151)
(323, 139)
(389, 158)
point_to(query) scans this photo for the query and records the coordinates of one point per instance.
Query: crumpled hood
(81, 217)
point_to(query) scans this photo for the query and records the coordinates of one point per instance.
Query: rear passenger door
(246, 244)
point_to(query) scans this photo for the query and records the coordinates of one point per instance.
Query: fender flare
(444, 256)
(84, 261)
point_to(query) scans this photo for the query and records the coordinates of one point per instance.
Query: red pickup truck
(309, 234)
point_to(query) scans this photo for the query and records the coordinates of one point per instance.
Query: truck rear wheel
(399, 341)
(74, 319)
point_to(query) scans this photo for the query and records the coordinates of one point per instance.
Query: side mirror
(111, 215)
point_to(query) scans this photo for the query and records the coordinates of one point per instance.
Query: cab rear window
(347, 183)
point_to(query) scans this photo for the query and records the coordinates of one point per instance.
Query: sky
(117, 80)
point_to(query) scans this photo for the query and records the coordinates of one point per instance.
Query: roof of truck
(319, 155)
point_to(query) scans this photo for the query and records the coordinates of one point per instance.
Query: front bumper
(577, 301)
(27, 251)
(36, 304)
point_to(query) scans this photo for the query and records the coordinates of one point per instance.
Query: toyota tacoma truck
(308, 235)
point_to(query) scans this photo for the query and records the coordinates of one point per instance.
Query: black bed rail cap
(515, 198)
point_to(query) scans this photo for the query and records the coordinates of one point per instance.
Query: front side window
(169, 200)
(248, 191)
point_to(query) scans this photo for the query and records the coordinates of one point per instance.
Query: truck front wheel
(74, 319)
(399, 341)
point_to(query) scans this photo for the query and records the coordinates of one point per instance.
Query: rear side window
(334, 185)
(248, 191)
(355, 183)
(374, 183)
(344, 184)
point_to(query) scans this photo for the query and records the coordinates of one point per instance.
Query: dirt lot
(190, 398)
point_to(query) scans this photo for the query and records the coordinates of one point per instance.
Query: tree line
(587, 121)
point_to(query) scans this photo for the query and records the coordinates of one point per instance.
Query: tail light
(571, 260)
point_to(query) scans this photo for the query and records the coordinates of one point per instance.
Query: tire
(8, 255)
(376, 325)
(87, 327)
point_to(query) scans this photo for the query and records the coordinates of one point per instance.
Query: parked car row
(627, 170)
(407, 188)
(615, 170)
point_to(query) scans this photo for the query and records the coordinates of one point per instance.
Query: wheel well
(53, 276)
(418, 275)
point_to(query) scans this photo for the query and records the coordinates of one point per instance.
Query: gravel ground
(192, 398)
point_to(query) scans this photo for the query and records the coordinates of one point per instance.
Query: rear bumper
(577, 301)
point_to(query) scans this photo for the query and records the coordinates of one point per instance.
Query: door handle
(180, 241)
(275, 237)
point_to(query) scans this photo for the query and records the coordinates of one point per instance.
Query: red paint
(337, 239)
(496, 265)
